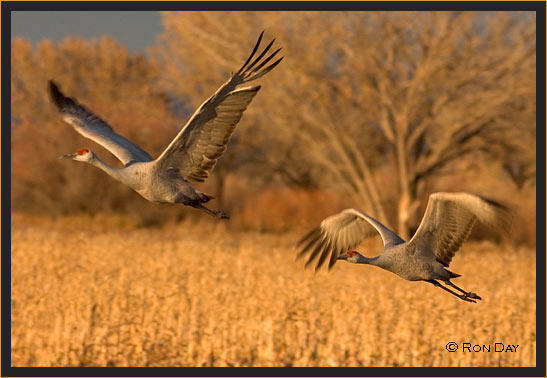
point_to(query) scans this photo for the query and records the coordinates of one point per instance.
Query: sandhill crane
(190, 155)
(447, 222)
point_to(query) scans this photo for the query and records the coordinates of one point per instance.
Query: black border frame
(273, 5)
(7, 7)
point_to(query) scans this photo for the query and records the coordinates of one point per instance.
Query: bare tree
(371, 103)
(414, 91)
(445, 84)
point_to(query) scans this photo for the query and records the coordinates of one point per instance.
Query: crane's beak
(67, 156)
(342, 256)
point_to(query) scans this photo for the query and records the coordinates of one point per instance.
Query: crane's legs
(464, 297)
(219, 214)
(467, 293)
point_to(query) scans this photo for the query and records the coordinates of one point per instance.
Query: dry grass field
(111, 294)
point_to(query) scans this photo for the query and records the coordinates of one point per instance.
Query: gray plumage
(446, 224)
(190, 156)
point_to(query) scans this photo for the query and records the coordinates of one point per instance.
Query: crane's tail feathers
(452, 274)
(250, 72)
(204, 197)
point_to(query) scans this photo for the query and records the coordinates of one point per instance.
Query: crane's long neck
(112, 172)
(367, 260)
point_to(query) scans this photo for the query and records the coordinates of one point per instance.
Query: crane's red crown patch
(82, 151)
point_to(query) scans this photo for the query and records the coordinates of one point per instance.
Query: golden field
(101, 292)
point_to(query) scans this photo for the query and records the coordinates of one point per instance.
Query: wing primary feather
(315, 252)
(307, 236)
(333, 258)
(261, 55)
(493, 203)
(61, 102)
(56, 95)
(311, 242)
(252, 53)
(265, 70)
(323, 256)
(265, 61)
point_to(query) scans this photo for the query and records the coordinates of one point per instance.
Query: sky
(135, 29)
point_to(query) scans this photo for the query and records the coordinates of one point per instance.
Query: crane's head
(350, 256)
(83, 154)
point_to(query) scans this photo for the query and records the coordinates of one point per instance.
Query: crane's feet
(473, 295)
(216, 213)
(469, 296)
(466, 298)
(221, 214)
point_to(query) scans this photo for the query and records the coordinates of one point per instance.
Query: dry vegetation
(102, 292)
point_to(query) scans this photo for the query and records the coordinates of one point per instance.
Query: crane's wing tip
(52, 86)
(503, 216)
(493, 203)
(57, 97)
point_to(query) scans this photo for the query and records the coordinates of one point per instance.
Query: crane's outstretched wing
(195, 150)
(448, 220)
(94, 128)
(342, 232)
